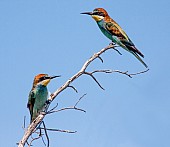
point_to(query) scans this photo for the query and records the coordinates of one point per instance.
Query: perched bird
(38, 94)
(114, 32)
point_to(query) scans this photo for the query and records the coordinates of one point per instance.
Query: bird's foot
(112, 43)
(51, 95)
(48, 102)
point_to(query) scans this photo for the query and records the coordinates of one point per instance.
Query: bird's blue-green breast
(103, 29)
(41, 95)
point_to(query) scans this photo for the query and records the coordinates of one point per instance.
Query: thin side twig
(80, 99)
(68, 108)
(29, 145)
(54, 108)
(45, 130)
(58, 130)
(100, 59)
(118, 71)
(91, 75)
(73, 88)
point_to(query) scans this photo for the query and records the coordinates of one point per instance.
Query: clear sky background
(52, 37)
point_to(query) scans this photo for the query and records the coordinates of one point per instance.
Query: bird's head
(98, 14)
(42, 79)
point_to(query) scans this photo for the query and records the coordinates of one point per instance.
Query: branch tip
(73, 88)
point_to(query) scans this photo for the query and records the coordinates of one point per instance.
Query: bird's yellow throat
(45, 82)
(97, 18)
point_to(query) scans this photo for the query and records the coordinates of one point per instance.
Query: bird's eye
(101, 13)
(96, 13)
(42, 78)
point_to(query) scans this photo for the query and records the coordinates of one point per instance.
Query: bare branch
(82, 71)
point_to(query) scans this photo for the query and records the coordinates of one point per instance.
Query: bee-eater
(114, 32)
(38, 94)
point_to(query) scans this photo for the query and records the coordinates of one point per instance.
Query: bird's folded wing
(116, 30)
(31, 101)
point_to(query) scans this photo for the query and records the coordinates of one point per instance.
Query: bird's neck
(100, 22)
(40, 87)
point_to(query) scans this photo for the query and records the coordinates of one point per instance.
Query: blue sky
(52, 37)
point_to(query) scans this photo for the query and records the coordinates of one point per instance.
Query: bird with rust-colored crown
(38, 94)
(114, 32)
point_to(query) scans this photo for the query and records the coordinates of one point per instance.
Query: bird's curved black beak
(52, 77)
(88, 13)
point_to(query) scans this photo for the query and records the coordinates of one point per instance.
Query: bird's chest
(41, 96)
(104, 30)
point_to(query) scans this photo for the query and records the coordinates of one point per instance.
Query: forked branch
(67, 108)
(82, 71)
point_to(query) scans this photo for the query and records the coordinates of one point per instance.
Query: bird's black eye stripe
(42, 78)
(95, 13)
(98, 13)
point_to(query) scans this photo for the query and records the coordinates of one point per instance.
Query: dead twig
(68, 108)
(80, 99)
(118, 71)
(100, 59)
(73, 88)
(45, 130)
(54, 108)
(90, 74)
(58, 130)
(33, 139)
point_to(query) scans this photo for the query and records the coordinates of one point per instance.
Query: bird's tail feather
(133, 50)
(132, 47)
(136, 55)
